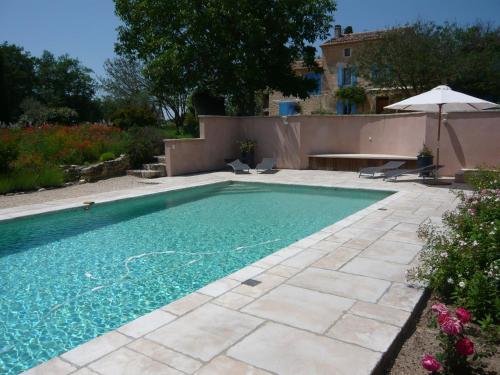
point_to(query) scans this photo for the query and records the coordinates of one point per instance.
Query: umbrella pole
(439, 138)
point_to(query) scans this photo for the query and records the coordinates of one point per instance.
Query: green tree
(418, 57)
(64, 82)
(127, 84)
(224, 48)
(16, 80)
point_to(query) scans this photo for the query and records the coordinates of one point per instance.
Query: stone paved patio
(332, 303)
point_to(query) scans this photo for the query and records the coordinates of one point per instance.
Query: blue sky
(86, 28)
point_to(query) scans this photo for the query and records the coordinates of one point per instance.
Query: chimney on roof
(338, 31)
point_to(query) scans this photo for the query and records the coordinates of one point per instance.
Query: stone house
(338, 71)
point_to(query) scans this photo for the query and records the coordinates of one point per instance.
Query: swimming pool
(70, 276)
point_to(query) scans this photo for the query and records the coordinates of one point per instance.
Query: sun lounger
(238, 166)
(381, 168)
(265, 165)
(395, 173)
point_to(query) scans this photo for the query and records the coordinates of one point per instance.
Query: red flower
(442, 317)
(463, 315)
(465, 347)
(451, 326)
(430, 363)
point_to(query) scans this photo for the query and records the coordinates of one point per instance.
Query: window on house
(347, 76)
(347, 52)
(316, 77)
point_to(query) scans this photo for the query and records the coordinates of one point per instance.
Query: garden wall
(467, 139)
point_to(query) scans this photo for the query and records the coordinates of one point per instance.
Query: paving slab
(267, 282)
(376, 269)
(226, 365)
(162, 354)
(392, 251)
(337, 258)
(246, 273)
(365, 332)
(304, 259)
(283, 271)
(127, 362)
(341, 284)
(233, 300)
(285, 350)
(96, 348)
(55, 366)
(205, 332)
(401, 296)
(146, 323)
(382, 313)
(186, 304)
(301, 308)
(219, 287)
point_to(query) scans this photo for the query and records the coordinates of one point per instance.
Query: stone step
(161, 158)
(145, 173)
(154, 166)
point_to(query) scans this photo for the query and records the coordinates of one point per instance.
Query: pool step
(151, 170)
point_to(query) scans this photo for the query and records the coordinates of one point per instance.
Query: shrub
(107, 156)
(134, 116)
(50, 176)
(461, 259)
(8, 153)
(191, 124)
(143, 144)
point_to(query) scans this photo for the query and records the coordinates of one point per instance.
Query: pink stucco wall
(467, 139)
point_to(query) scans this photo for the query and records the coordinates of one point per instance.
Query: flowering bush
(461, 258)
(31, 157)
(458, 354)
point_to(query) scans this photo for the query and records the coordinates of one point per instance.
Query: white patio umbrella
(442, 99)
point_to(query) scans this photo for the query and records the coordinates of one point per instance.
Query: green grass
(25, 179)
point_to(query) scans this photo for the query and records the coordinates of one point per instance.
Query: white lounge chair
(267, 164)
(238, 166)
(381, 168)
(395, 173)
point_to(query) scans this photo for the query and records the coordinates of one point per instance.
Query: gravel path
(112, 184)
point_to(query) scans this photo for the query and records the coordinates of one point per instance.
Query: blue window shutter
(339, 76)
(353, 108)
(354, 77)
(340, 107)
(287, 108)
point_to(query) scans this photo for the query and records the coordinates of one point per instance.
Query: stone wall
(99, 171)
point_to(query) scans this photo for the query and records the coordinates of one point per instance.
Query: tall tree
(418, 57)
(16, 80)
(126, 82)
(225, 47)
(64, 82)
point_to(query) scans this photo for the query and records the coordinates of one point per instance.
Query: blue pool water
(68, 277)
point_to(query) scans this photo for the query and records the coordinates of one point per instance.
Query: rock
(41, 189)
(82, 181)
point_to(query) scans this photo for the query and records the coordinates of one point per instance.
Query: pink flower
(463, 315)
(430, 363)
(442, 317)
(451, 326)
(465, 347)
(439, 308)
(472, 211)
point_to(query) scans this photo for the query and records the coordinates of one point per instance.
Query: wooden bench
(354, 162)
